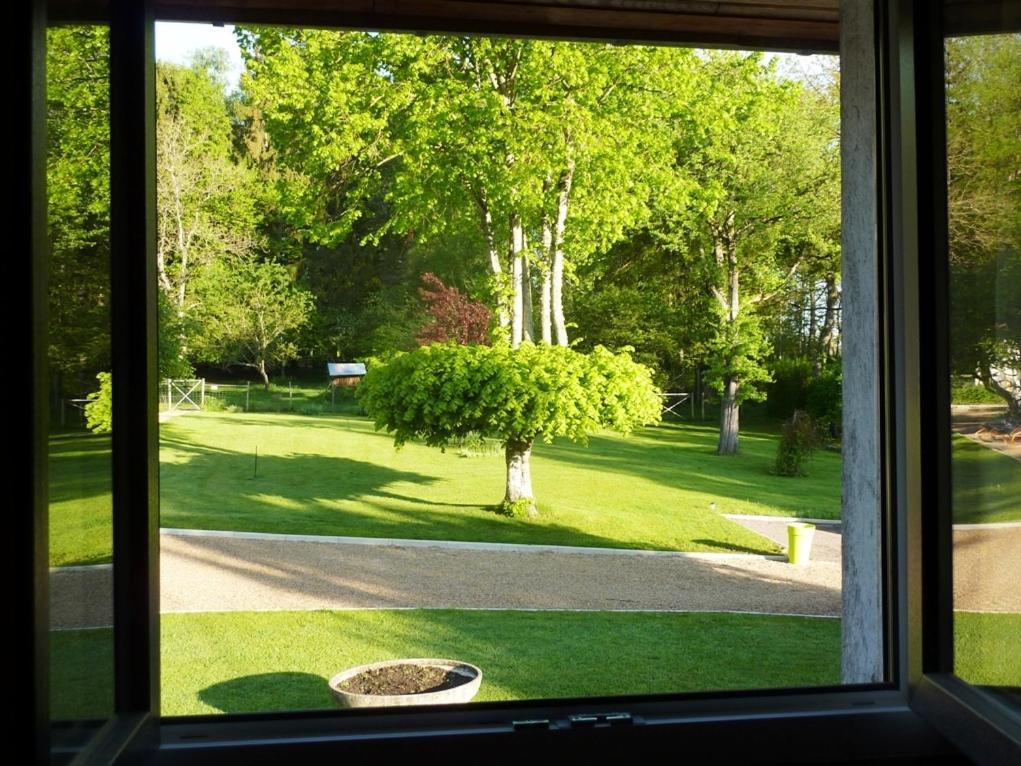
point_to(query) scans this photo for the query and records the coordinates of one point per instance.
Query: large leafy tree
(251, 311)
(527, 145)
(759, 154)
(984, 194)
(78, 186)
(445, 392)
(207, 195)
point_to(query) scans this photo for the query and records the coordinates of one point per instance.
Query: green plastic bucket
(799, 542)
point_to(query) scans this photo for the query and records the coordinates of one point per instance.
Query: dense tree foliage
(761, 161)
(680, 203)
(984, 188)
(445, 392)
(78, 185)
(250, 311)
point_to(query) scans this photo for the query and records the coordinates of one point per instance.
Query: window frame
(913, 715)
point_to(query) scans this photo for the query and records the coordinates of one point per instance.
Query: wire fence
(298, 397)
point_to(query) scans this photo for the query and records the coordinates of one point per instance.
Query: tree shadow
(683, 457)
(727, 546)
(525, 654)
(216, 488)
(287, 690)
(80, 466)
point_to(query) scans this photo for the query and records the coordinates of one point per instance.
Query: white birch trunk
(517, 308)
(527, 322)
(546, 294)
(557, 267)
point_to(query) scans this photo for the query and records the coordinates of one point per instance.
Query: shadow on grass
(206, 487)
(684, 458)
(523, 655)
(986, 484)
(81, 666)
(266, 692)
(80, 466)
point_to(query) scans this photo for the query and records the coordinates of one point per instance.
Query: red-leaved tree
(453, 315)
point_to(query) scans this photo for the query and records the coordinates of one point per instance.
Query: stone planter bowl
(462, 693)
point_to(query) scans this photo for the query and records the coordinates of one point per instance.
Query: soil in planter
(404, 679)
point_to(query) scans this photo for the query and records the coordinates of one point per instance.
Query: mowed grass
(80, 501)
(333, 475)
(986, 648)
(253, 661)
(987, 484)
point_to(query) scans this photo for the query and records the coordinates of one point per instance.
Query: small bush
(966, 392)
(214, 404)
(99, 410)
(797, 441)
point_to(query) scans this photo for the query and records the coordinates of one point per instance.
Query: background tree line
(684, 203)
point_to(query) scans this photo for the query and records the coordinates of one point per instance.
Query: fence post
(333, 398)
(202, 395)
(248, 391)
(290, 395)
(170, 396)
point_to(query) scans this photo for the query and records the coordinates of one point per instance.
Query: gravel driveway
(220, 573)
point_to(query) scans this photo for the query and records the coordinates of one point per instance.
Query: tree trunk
(729, 411)
(1007, 385)
(813, 324)
(557, 267)
(494, 261)
(546, 317)
(828, 336)
(527, 322)
(517, 278)
(519, 496)
(265, 375)
(546, 296)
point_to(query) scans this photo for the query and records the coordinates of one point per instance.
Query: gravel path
(968, 418)
(214, 573)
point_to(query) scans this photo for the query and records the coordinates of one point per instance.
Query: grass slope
(987, 484)
(336, 476)
(246, 662)
(81, 508)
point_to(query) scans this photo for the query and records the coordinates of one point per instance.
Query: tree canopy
(445, 392)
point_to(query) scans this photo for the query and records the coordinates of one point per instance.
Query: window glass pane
(80, 511)
(441, 237)
(984, 192)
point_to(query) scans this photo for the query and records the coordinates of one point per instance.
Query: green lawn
(334, 475)
(283, 659)
(987, 484)
(80, 505)
(986, 648)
